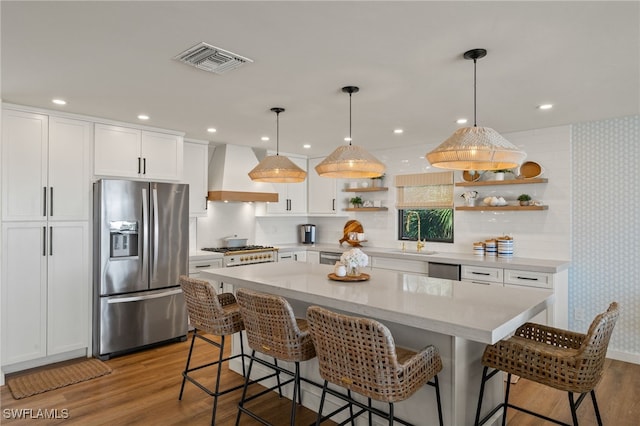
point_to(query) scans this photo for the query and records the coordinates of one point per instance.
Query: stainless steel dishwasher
(444, 270)
(329, 257)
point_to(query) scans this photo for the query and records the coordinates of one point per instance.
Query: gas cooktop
(234, 249)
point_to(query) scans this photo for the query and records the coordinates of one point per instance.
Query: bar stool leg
(506, 400)
(244, 390)
(438, 401)
(186, 368)
(275, 362)
(484, 379)
(370, 413)
(243, 355)
(215, 396)
(296, 390)
(595, 407)
(350, 408)
(324, 394)
(572, 404)
(391, 414)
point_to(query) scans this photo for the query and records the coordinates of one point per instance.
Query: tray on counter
(361, 277)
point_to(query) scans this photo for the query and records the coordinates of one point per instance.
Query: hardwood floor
(143, 390)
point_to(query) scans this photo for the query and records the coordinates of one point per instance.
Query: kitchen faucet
(419, 244)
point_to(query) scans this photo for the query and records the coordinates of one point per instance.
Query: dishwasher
(329, 257)
(444, 270)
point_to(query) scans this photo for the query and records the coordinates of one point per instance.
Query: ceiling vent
(210, 58)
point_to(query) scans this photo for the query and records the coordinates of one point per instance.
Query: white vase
(498, 176)
(471, 202)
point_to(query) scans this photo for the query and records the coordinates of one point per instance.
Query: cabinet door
(292, 197)
(322, 191)
(117, 151)
(162, 156)
(24, 165)
(196, 163)
(297, 192)
(69, 175)
(24, 292)
(68, 285)
(300, 256)
(313, 257)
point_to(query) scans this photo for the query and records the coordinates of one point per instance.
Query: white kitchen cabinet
(394, 264)
(292, 256)
(323, 191)
(45, 167)
(292, 197)
(134, 153)
(45, 291)
(481, 275)
(313, 257)
(195, 266)
(196, 163)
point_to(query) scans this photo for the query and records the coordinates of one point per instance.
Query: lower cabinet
(293, 256)
(195, 266)
(557, 316)
(399, 264)
(45, 289)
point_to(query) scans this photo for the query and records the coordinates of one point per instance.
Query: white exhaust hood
(229, 179)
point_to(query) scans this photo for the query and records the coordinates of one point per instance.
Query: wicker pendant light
(476, 148)
(350, 161)
(277, 168)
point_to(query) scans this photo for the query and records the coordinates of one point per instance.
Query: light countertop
(528, 264)
(203, 255)
(483, 314)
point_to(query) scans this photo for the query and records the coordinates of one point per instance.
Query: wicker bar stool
(360, 355)
(273, 329)
(216, 314)
(564, 360)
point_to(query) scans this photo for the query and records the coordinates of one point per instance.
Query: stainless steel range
(246, 255)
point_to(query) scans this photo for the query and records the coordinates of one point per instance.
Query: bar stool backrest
(271, 326)
(209, 311)
(594, 348)
(356, 353)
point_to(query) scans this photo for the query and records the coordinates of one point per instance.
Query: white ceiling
(114, 60)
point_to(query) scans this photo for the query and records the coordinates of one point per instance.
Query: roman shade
(425, 190)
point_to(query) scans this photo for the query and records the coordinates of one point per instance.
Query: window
(425, 206)
(435, 225)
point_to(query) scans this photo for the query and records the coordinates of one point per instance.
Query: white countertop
(479, 313)
(528, 264)
(204, 255)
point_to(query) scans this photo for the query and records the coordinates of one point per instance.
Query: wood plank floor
(143, 390)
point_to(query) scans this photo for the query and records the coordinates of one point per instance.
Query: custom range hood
(229, 179)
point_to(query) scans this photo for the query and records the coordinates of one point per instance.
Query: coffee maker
(308, 233)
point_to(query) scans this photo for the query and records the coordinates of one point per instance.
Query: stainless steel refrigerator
(141, 247)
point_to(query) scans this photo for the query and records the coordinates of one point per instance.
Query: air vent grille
(210, 58)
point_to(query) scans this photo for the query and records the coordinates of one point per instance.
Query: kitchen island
(458, 318)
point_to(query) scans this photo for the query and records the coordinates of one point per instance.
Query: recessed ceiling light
(398, 131)
(211, 130)
(264, 138)
(545, 106)
(347, 139)
(59, 101)
(143, 117)
(306, 146)
(461, 121)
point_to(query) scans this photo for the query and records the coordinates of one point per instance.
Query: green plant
(379, 177)
(356, 201)
(524, 197)
(502, 171)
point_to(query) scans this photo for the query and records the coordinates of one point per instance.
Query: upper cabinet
(292, 197)
(134, 153)
(45, 167)
(196, 159)
(322, 191)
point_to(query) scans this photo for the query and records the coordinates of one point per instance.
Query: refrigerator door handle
(147, 297)
(156, 233)
(145, 239)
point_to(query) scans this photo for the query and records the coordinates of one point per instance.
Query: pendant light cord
(474, 92)
(350, 118)
(277, 133)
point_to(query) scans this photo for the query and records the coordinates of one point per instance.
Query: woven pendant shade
(476, 148)
(277, 169)
(350, 161)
